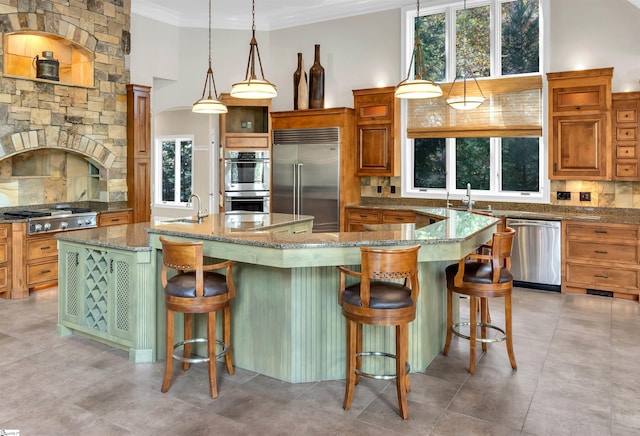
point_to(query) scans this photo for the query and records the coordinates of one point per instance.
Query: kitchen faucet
(467, 199)
(200, 213)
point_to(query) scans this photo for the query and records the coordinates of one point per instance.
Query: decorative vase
(316, 82)
(300, 87)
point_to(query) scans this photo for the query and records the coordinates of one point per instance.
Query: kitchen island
(286, 321)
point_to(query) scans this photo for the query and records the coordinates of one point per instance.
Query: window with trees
(175, 161)
(498, 39)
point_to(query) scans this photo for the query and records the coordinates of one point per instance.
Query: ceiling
(270, 14)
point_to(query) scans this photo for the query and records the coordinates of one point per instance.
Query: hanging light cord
(209, 79)
(251, 65)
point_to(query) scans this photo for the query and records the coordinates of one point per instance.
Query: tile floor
(578, 359)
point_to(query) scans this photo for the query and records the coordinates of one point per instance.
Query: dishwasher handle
(532, 223)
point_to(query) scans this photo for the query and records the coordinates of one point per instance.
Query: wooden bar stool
(195, 289)
(380, 299)
(482, 276)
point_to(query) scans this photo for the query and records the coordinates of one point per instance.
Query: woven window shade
(513, 107)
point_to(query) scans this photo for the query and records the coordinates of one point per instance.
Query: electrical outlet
(563, 195)
(393, 189)
(585, 196)
(379, 189)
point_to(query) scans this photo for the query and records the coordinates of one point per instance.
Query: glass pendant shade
(419, 87)
(252, 87)
(465, 102)
(210, 104)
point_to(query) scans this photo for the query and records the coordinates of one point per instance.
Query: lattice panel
(122, 295)
(71, 302)
(96, 287)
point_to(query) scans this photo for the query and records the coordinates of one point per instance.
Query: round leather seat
(384, 295)
(478, 272)
(184, 285)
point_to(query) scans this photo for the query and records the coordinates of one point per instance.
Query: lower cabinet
(107, 294)
(601, 257)
(5, 258)
(41, 260)
(358, 217)
(114, 218)
(295, 229)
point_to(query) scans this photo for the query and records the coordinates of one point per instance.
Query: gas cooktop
(55, 219)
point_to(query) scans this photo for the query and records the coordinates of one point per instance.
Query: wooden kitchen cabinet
(580, 124)
(626, 139)
(358, 218)
(5, 258)
(247, 124)
(601, 257)
(377, 132)
(139, 152)
(41, 260)
(114, 218)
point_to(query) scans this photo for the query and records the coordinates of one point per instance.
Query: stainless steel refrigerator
(306, 175)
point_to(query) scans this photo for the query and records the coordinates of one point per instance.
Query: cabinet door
(375, 150)
(579, 147)
(121, 276)
(70, 284)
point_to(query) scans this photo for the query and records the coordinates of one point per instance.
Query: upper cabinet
(377, 132)
(626, 142)
(580, 124)
(247, 124)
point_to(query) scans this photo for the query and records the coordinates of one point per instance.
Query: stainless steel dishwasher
(536, 258)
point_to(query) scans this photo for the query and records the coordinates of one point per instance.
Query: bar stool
(195, 289)
(380, 299)
(482, 276)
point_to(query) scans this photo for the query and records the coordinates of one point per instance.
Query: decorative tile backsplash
(603, 194)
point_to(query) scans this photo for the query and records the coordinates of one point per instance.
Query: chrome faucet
(467, 199)
(200, 214)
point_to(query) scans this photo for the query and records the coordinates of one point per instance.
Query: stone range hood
(85, 118)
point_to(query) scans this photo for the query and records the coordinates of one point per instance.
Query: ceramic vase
(316, 82)
(300, 86)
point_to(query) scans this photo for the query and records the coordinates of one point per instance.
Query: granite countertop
(454, 226)
(129, 237)
(601, 215)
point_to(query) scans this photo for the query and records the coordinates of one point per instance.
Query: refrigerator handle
(294, 187)
(299, 189)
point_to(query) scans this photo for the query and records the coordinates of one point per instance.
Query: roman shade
(513, 107)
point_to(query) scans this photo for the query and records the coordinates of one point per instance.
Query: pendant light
(420, 86)
(210, 104)
(465, 102)
(251, 86)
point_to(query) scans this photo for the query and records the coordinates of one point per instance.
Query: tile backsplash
(603, 194)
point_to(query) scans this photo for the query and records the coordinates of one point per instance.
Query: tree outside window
(176, 170)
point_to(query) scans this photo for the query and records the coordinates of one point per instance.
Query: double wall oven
(247, 180)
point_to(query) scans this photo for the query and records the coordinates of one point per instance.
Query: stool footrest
(197, 359)
(379, 376)
(454, 330)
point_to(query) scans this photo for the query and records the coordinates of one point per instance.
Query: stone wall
(49, 117)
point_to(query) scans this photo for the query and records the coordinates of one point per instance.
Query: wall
(181, 122)
(87, 121)
(587, 33)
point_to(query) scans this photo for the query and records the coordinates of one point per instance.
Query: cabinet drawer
(626, 152)
(41, 248)
(626, 134)
(601, 232)
(369, 216)
(42, 272)
(4, 251)
(626, 115)
(603, 252)
(4, 273)
(593, 276)
(113, 218)
(4, 232)
(398, 217)
(627, 169)
(246, 142)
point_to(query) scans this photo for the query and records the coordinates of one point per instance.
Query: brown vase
(300, 86)
(316, 83)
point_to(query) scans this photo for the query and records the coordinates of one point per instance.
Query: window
(499, 40)
(175, 161)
